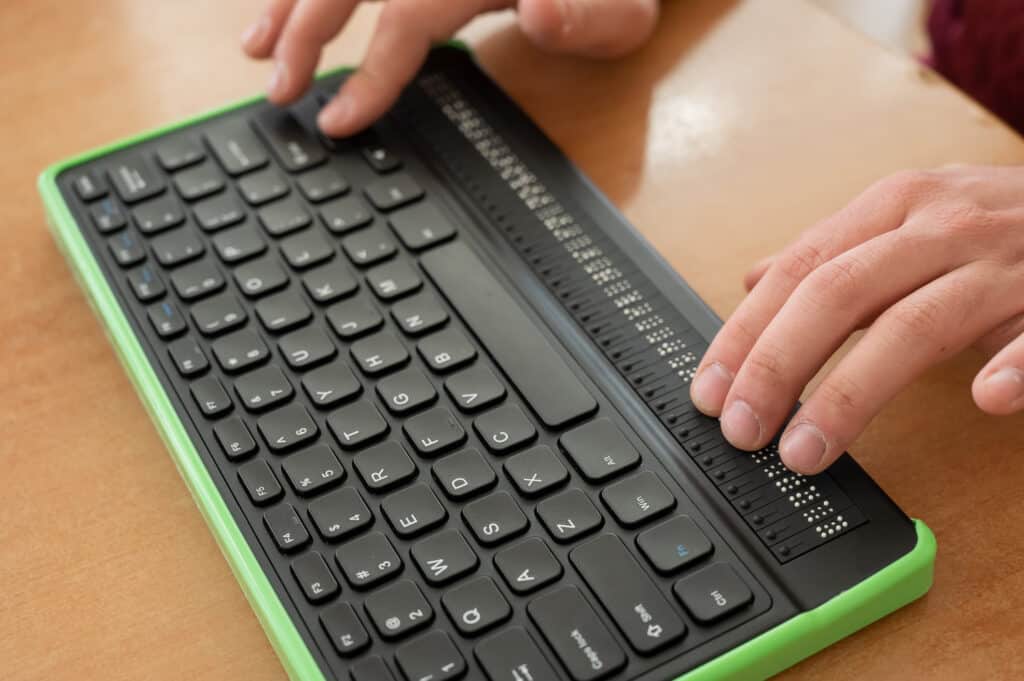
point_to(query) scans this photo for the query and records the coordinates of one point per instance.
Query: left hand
(931, 262)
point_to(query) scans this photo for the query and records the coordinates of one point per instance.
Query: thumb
(593, 28)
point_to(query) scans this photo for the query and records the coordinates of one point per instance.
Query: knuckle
(836, 284)
(907, 186)
(840, 393)
(916, 320)
(765, 366)
(962, 218)
(801, 260)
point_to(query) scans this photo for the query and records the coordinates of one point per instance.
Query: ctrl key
(577, 635)
(344, 629)
(511, 655)
(713, 593)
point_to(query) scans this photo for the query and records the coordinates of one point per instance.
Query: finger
(594, 28)
(757, 272)
(921, 330)
(310, 26)
(259, 39)
(826, 307)
(405, 32)
(879, 209)
(999, 387)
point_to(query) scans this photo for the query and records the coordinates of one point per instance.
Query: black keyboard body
(442, 386)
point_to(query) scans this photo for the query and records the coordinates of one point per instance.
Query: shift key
(575, 632)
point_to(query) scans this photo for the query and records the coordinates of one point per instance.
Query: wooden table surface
(737, 126)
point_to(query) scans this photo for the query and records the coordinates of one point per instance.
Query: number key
(313, 470)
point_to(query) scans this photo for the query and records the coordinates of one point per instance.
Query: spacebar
(522, 352)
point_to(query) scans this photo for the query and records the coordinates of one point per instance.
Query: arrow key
(528, 565)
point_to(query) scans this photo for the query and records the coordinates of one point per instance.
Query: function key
(198, 280)
(511, 655)
(188, 357)
(313, 470)
(444, 557)
(176, 247)
(306, 348)
(384, 466)
(446, 350)
(434, 431)
(344, 629)
(145, 284)
(284, 311)
(464, 474)
(306, 249)
(569, 515)
(431, 657)
(107, 216)
(495, 519)
(259, 482)
(126, 249)
(393, 280)
(284, 216)
(211, 397)
(235, 146)
(346, 214)
(291, 143)
(238, 243)
(239, 351)
(638, 499)
(322, 183)
(673, 544)
(157, 215)
(713, 593)
(379, 353)
(166, 319)
(406, 391)
(314, 577)
(234, 439)
(575, 632)
(339, 514)
(504, 428)
(419, 314)
(476, 606)
(218, 212)
(393, 191)
(357, 424)
(528, 565)
(421, 226)
(381, 158)
(263, 186)
(262, 389)
(330, 282)
(331, 384)
(474, 388)
(199, 182)
(286, 527)
(369, 247)
(368, 560)
(353, 318)
(260, 277)
(88, 185)
(135, 179)
(287, 427)
(413, 510)
(536, 471)
(599, 450)
(218, 315)
(178, 153)
(398, 610)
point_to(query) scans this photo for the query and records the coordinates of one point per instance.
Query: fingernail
(1007, 383)
(741, 426)
(278, 79)
(710, 388)
(256, 32)
(803, 448)
(336, 112)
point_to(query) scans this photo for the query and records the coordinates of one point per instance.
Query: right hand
(293, 33)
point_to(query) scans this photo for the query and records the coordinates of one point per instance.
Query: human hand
(293, 33)
(929, 262)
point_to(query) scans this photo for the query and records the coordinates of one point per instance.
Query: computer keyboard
(442, 390)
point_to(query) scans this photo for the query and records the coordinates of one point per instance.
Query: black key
(211, 397)
(314, 577)
(398, 610)
(511, 655)
(107, 216)
(673, 544)
(545, 381)
(446, 350)
(330, 282)
(283, 217)
(218, 315)
(384, 466)
(476, 606)
(291, 143)
(283, 312)
(263, 187)
(166, 319)
(394, 191)
(89, 186)
(379, 353)
(239, 351)
(421, 226)
(638, 499)
(406, 391)
(188, 357)
(381, 158)
(313, 470)
(135, 179)
(331, 384)
(434, 431)
(177, 153)
(353, 318)
(344, 629)
(239, 243)
(413, 510)
(504, 428)
(536, 471)
(444, 557)
(369, 246)
(306, 249)
(234, 439)
(218, 212)
(262, 389)
(474, 388)
(259, 482)
(431, 657)
(713, 593)
(197, 280)
(393, 280)
(371, 669)
(346, 214)
(495, 519)
(286, 527)
(176, 247)
(528, 566)
(419, 314)
(287, 427)
(157, 215)
(260, 277)
(340, 514)
(569, 515)
(645, 617)
(145, 284)
(322, 183)
(599, 450)
(368, 560)
(126, 249)
(357, 424)
(235, 146)
(306, 348)
(199, 182)
(580, 641)
(464, 474)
